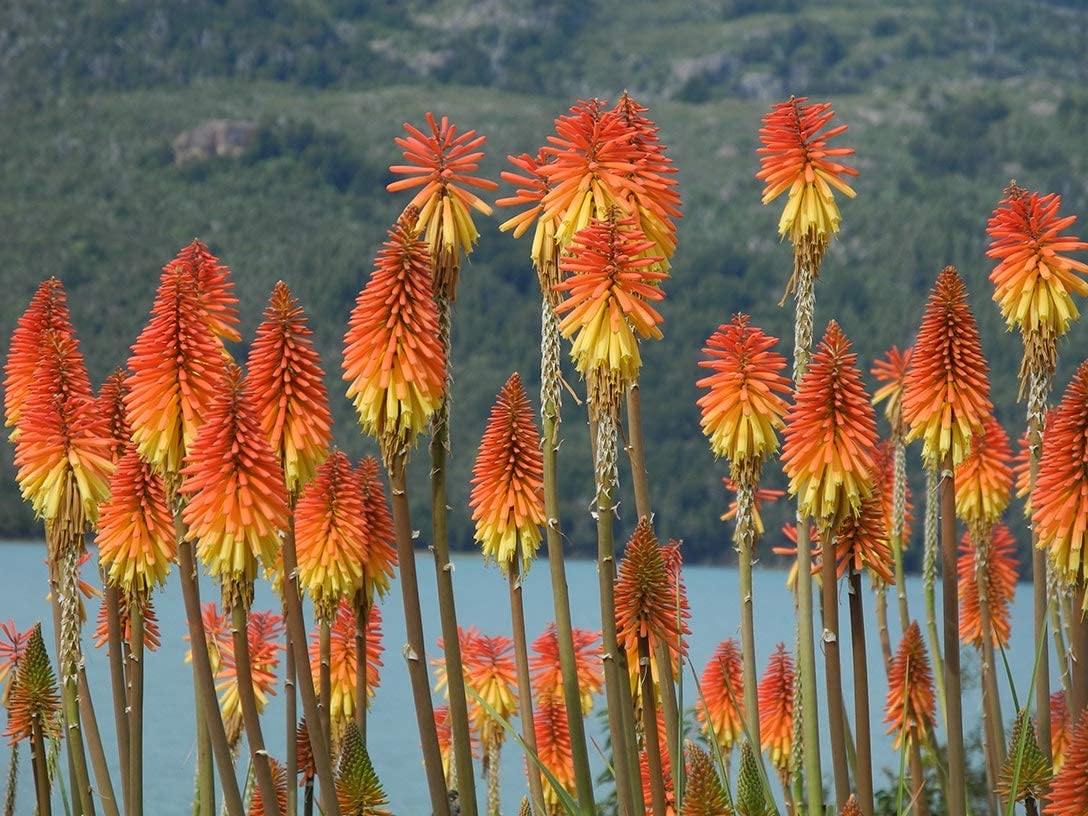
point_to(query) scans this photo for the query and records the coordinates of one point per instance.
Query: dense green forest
(946, 101)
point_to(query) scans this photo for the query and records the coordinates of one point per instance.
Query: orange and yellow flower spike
(265, 633)
(546, 674)
(646, 771)
(720, 709)
(331, 536)
(531, 188)
(830, 436)
(393, 357)
(237, 499)
(177, 364)
(1060, 726)
(342, 661)
(984, 477)
(946, 396)
(1069, 793)
(110, 403)
(508, 482)
(795, 158)
(288, 388)
(136, 538)
(891, 371)
(380, 552)
(861, 542)
(152, 634)
(1035, 279)
(279, 780)
(744, 405)
(1060, 499)
(213, 289)
(12, 648)
(1001, 570)
(443, 164)
(911, 704)
(776, 691)
(553, 749)
(47, 312)
(489, 671)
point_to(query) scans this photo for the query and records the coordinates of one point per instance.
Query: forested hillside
(946, 101)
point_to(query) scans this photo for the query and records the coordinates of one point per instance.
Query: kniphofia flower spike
(776, 709)
(47, 312)
(891, 372)
(380, 553)
(547, 676)
(33, 700)
(720, 708)
(342, 660)
(532, 187)
(911, 703)
(1069, 794)
(984, 477)
(997, 557)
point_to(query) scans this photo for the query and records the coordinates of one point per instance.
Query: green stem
(525, 690)
(324, 651)
(13, 781)
(833, 668)
(291, 721)
(1037, 392)
(41, 768)
(1054, 610)
(929, 580)
(899, 509)
(918, 781)
(630, 735)
(745, 541)
(116, 656)
(205, 770)
(991, 697)
(863, 771)
(94, 747)
(957, 798)
(806, 663)
(362, 617)
(651, 737)
(135, 675)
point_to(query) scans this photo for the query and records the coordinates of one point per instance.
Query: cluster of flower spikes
(343, 657)
(394, 361)
(946, 396)
(443, 165)
(795, 157)
(720, 709)
(508, 482)
(999, 569)
(1035, 279)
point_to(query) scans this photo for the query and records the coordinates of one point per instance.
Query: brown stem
(205, 772)
(882, 626)
(414, 652)
(833, 667)
(202, 671)
(651, 738)
(863, 772)
(116, 657)
(308, 799)
(362, 617)
(630, 735)
(291, 720)
(991, 696)
(251, 718)
(918, 781)
(957, 801)
(135, 675)
(1078, 651)
(525, 690)
(324, 671)
(1036, 413)
(41, 768)
(1030, 807)
(745, 543)
(94, 747)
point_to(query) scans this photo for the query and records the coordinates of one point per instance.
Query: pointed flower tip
(911, 704)
(720, 709)
(47, 312)
(34, 702)
(776, 690)
(357, 786)
(891, 371)
(214, 289)
(704, 794)
(1025, 763)
(645, 593)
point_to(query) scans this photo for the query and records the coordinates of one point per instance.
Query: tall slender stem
(991, 696)
(863, 773)
(41, 768)
(525, 689)
(929, 583)
(324, 671)
(205, 772)
(1037, 391)
(918, 781)
(414, 652)
(957, 801)
(899, 512)
(833, 668)
(136, 707)
(362, 618)
(881, 591)
(651, 737)
(1054, 610)
(1078, 643)
(291, 721)
(744, 538)
(94, 748)
(117, 679)
(13, 781)
(630, 736)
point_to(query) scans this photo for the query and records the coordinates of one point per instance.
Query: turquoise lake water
(481, 602)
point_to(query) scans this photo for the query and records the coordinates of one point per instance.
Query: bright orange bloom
(177, 364)
(342, 660)
(532, 187)
(776, 709)
(554, 749)
(393, 357)
(946, 397)
(720, 709)
(892, 372)
(1060, 500)
(830, 435)
(1035, 278)
(380, 552)
(488, 664)
(1060, 726)
(288, 389)
(237, 499)
(762, 494)
(1069, 793)
(303, 750)
(110, 403)
(861, 542)
(744, 404)
(265, 634)
(984, 477)
(331, 535)
(508, 482)
(911, 704)
(213, 289)
(610, 286)
(47, 312)
(442, 163)
(33, 699)
(1021, 467)
(279, 781)
(136, 538)
(885, 458)
(152, 635)
(795, 157)
(547, 676)
(1000, 563)
(12, 648)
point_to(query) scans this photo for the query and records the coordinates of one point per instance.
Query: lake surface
(481, 602)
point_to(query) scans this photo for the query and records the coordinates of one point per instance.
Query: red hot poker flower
(47, 312)
(861, 542)
(380, 552)
(830, 435)
(1060, 726)
(946, 396)
(554, 748)
(1069, 793)
(265, 633)
(547, 676)
(110, 403)
(984, 478)
(152, 635)
(33, 699)
(998, 559)
(288, 389)
(776, 709)
(891, 371)
(213, 288)
(342, 660)
(532, 187)
(721, 707)
(911, 704)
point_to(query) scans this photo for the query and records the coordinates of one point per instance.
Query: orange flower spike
(830, 435)
(508, 481)
(776, 709)
(47, 312)
(331, 535)
(610, 286)
(1035, 278)
(136, 538)
(645, 597)
(984, 477)
(795, 157)
(264, 635)
(237, 499)
(12, 647)
(279, 781)
(393, 357)
(1059, 728)
(1069, 792)
(554, 748)
(861, 542)
(531, 188)
(911, 704)
(443, 164)
(1002, 574)
(666, 770)
(891, 372)
(762, 494)
(380, 552)
(1060, 500)
(547, 676)
(489, 671)
(213, 287)
(745, 400)
(720, 709)
(342, 660)
(177, 364)
(946, 396)
(110, 403)
(152, 635)
(677, 646)
(33, 697)
(288, 387)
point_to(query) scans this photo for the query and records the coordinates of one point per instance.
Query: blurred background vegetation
(946, 101)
